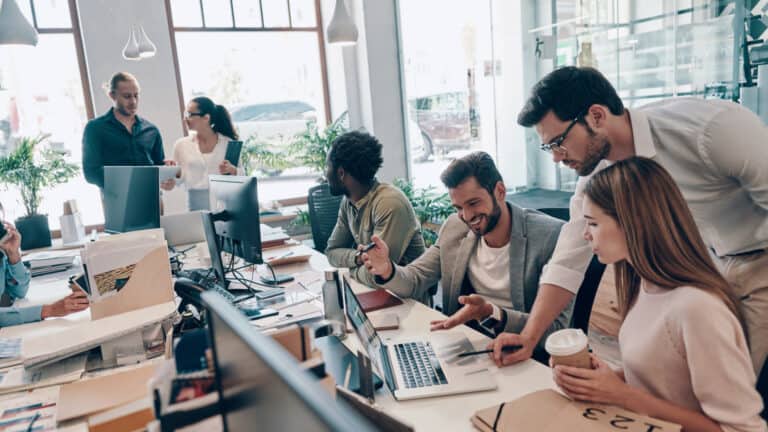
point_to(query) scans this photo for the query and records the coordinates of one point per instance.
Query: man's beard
(492, 218)
(598, 149)
(337, 190)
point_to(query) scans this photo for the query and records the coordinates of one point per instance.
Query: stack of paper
(110, 262)
(271, 237)
(20, 378)
(40, 263)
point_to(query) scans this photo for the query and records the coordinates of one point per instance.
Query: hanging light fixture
(342, 29)
(146, 48)
(131, 50)
(14, 28)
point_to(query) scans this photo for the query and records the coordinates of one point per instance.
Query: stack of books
(40, 263)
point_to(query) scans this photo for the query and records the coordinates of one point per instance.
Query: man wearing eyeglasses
(120, 136)
(714, 149)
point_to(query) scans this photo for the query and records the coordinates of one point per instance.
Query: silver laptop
(416, 368)
(183, 228)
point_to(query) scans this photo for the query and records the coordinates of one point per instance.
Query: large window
(648, 50)
(462, 85)
(42, 92)
(264, 60)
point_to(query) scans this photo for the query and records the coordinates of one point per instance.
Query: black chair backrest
(323, 214)
(585, 299)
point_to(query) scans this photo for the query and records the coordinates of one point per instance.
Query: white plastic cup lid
(566, 342)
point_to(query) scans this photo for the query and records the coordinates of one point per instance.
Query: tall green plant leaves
(31, 170)
(311, 147)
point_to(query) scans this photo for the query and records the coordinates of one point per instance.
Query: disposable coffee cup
(569, 347)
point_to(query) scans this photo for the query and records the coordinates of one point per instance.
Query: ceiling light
(342, 29)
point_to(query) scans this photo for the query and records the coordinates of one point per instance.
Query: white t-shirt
(489, 273)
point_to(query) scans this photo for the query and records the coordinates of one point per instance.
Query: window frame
(317, 28)
(76, 32)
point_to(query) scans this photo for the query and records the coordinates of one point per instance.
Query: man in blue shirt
(15, 283)
(120, 137)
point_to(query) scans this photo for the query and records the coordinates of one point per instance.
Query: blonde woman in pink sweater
(684, 353)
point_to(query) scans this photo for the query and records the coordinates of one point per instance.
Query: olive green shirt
(384, 211)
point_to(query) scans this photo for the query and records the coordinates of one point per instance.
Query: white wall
(104, 25)
(375, 96)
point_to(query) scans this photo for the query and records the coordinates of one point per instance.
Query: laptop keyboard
(419, 365)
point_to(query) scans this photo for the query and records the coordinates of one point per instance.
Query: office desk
(451, 413)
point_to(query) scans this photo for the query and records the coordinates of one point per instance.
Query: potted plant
(310, 148)
(258, 155)
(431, 207)
(31, 171)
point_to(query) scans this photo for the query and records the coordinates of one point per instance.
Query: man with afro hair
(369, 207)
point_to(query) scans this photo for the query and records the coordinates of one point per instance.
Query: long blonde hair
(665, 246)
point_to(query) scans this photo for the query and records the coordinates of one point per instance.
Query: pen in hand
(506, 349)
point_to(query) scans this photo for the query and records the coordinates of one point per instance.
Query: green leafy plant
(32, 169)
(310, 148)
(257, 154)
(431, 207)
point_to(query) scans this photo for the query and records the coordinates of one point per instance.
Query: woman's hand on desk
(72, 303)
(475, 308)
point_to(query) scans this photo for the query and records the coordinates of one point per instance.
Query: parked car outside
(275, 123)
(443, 121)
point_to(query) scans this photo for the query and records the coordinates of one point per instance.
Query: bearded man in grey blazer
(488, 256)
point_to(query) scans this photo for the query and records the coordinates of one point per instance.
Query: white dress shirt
(716, 152)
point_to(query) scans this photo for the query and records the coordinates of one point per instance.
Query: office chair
(323, 214)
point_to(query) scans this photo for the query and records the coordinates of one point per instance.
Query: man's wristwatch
(496, 321)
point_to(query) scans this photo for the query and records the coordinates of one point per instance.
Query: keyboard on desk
(419, 365)
(201, 278)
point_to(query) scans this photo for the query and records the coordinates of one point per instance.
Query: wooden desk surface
(449, 413)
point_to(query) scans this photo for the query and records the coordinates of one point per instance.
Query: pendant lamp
(14, 27)
(131, 50)
(342, 29)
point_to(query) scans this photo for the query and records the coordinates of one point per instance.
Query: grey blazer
(533, 239)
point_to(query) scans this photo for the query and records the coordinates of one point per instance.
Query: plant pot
(34, 231)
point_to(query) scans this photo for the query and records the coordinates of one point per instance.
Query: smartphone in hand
(79, 281)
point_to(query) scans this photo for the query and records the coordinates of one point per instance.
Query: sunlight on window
(36, 98)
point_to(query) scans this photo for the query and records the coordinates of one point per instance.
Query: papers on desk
(40, 263)
(110, 262)
(37, 408)
(61, 338)
(20, 378)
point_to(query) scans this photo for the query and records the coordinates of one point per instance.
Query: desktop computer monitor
(261, 387)
(236, 215)
(131, 198)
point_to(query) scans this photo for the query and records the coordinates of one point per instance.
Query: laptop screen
(367, 334)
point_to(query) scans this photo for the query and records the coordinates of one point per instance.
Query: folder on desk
(96, 395)
(377, 299)
(549, 411)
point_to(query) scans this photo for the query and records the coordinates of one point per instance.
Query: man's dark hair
(358, 153)
(479, 165)
(569, 92)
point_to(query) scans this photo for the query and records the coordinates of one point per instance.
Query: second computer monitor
(236, 215)
(131, 198)
(261, 387)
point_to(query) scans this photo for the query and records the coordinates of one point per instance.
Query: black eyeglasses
(192, 114)
(556, 145)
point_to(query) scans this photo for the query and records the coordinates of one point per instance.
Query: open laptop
(183, 228)
(415, 368)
